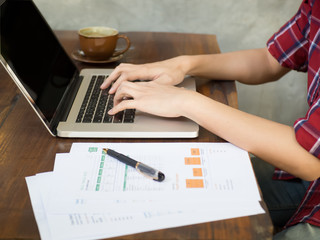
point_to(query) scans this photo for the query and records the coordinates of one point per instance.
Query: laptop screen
(34, 54)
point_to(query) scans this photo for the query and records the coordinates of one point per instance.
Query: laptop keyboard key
(118, 117)
(129, 116)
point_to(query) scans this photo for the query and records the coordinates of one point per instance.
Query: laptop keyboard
(97, 103)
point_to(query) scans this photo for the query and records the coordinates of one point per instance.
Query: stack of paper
(91, 195)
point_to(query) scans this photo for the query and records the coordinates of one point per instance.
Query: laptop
(60, 95)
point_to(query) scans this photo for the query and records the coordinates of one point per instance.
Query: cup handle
(117, 53)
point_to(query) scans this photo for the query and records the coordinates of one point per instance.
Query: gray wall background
(238, 24)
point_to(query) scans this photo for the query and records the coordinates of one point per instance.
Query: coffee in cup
(100, 42)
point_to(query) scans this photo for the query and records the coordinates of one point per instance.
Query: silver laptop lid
(35, 59)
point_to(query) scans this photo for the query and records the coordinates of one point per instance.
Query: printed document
(93, 195)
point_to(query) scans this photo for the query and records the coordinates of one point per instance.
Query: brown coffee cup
(100, 42)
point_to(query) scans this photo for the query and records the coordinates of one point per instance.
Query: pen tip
(161, 177)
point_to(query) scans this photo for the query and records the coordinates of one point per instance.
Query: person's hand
(151, 97)
(166, 72)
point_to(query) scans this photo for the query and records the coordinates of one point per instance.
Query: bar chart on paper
(202, 164)
(197, 180)
(106, 174)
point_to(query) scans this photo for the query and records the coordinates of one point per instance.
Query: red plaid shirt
(297, 46)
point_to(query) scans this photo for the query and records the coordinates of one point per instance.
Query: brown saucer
(80, 56)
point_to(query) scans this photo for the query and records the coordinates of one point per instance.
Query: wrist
(183, 63)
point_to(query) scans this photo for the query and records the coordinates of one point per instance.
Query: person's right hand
(153, 98)
(166, 72)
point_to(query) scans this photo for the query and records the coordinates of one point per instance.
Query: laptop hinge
(66, 102)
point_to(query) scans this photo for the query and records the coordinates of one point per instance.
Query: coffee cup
(100, 42)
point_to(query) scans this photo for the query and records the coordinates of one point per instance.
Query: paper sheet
(91, 195)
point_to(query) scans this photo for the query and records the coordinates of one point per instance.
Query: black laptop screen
(32, 51)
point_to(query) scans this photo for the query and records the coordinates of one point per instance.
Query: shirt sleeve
(290, 44)
(308, 129)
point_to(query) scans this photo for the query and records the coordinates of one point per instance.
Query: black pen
(142, 168)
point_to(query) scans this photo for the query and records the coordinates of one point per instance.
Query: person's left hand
(167, 72)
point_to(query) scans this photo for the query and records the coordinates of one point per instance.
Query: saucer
(80, 56)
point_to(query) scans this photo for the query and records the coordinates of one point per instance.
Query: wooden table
(26, 148)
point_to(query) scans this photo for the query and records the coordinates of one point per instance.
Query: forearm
(248, 66)
(271, 141)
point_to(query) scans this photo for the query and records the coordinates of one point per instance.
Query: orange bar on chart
(197, 172)
(192, 161)
(195, 151)
(194, 183)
